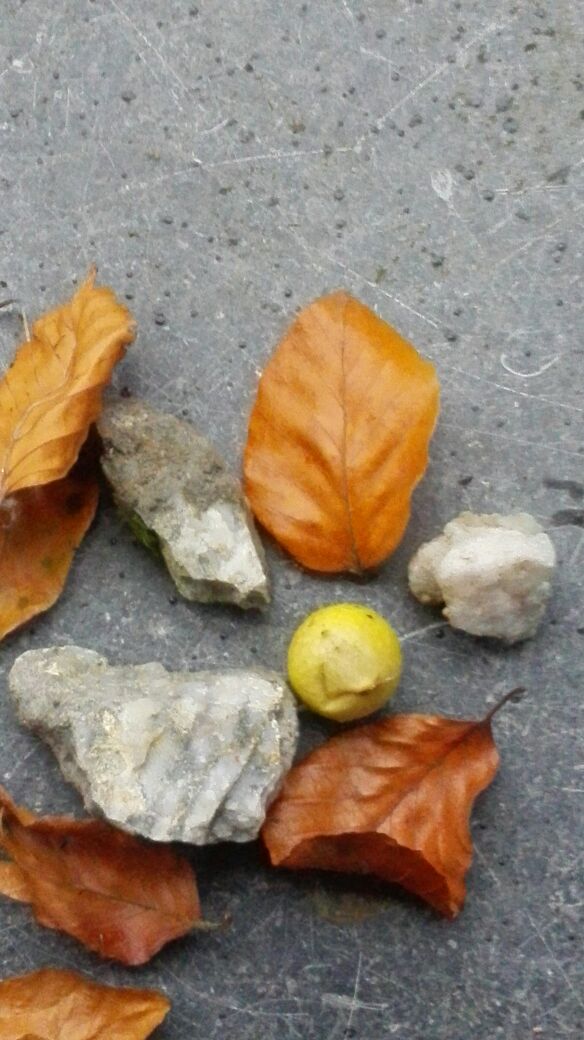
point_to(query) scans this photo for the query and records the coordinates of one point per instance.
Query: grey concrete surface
(224, 163)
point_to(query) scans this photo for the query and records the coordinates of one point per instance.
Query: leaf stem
(507, 697)
(213, 926)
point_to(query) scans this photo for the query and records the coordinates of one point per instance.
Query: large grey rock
(492, 572)
(193, 757)
(176, 493)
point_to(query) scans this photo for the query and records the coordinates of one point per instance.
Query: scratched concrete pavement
(224, 163)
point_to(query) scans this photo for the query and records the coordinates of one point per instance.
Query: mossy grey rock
(185, 756)
(178, 497)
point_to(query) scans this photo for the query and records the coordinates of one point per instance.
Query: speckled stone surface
(225, 163)
(195, 757)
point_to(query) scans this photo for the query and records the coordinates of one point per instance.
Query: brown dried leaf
(120, 896)
(62, 1005)
(338, 436)
(52, 391)
(391, 798)
(40, 529)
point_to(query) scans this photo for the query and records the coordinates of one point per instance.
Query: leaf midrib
(355, 564)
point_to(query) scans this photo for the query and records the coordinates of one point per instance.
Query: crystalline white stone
(177, 494)
(173, 756)
(492, 572)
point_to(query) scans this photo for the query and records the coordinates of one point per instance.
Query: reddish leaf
(393, 799)
(338, 436)
(40, 529)
(121, 897)
(61, 1005)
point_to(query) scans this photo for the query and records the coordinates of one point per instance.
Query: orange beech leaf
(52, 391)
(120, 896)
(391, 798)
(40, 529)
(62, 1005)
(338, 436)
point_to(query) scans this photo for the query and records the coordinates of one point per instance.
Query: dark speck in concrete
(465, 171)
(559, 176)
(503, 103)
(574, 488)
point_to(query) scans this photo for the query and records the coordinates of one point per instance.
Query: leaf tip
(91, 276)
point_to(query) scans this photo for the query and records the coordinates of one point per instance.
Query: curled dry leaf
(52, 391)
(338, 436)
(393, 799)
(62, 1005)
(40, 529)
(120, 896)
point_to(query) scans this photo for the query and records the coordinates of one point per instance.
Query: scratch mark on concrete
(354, 1000)
(486, 865)
(383, 292)
(342, 1002)
(538, 238)
(442, 183)
(274, 156)
(507, 389)
(348, 11)
(540, 445)
(158, 54)
(439, 70)
(541, 936)
(214, 129)
(108, 154)
(381, 57)
(528, 375)
(67, 109)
